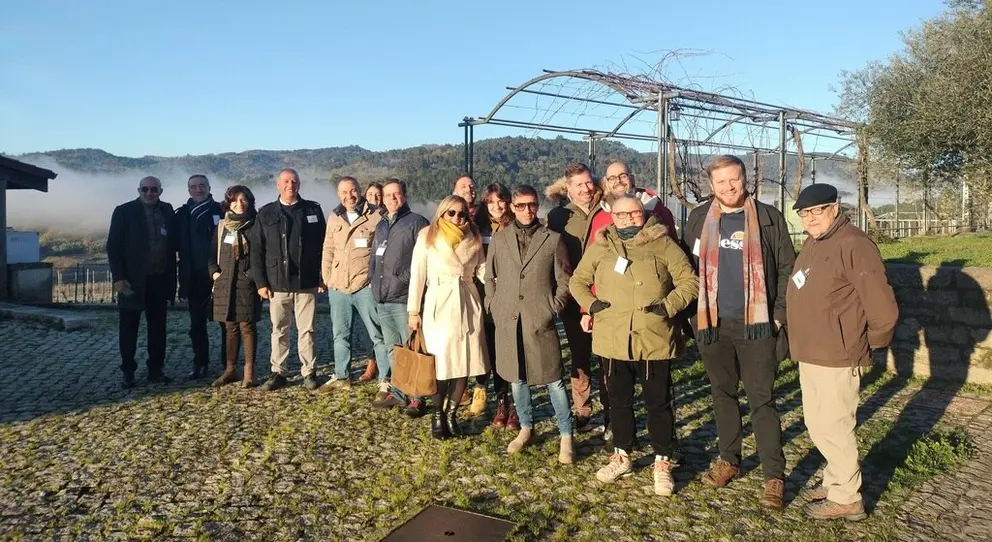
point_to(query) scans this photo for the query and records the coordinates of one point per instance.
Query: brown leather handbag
(414, 372)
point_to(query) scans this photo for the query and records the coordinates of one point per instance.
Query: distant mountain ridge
(428, 169)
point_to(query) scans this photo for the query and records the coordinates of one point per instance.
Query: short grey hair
(157, 181)
(628, 197)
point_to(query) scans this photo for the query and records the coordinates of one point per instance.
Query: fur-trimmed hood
(557, 192)
(651, 231)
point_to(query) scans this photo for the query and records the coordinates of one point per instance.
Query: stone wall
(945, 328)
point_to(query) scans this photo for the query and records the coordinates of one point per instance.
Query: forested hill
(428, 169)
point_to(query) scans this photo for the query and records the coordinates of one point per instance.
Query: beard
(731, 201)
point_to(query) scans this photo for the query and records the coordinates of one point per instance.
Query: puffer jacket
(657, 274)
(389, 265)
(347, 248)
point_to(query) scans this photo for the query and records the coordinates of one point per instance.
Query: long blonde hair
(447, 203)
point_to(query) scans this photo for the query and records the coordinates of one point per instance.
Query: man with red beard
(744, 255)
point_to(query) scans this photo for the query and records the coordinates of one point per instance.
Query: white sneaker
(663, 482)
(618, 467)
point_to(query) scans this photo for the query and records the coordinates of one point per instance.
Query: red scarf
(755, 293)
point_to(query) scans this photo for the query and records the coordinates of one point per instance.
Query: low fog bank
(80, 203)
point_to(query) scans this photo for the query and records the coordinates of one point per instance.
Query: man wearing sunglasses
(840, 309)
(141, 252)
(527, 274)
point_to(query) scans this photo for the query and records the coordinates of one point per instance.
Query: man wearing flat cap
(840, 309)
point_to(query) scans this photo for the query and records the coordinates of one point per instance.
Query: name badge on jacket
(381, 250)
(361, 242)
(229, 239)
(799, 279)
(621, 265)
(163, 231)
(312, 219)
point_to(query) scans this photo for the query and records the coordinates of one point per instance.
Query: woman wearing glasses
(643, 279)
(447, 259)
(493, 215)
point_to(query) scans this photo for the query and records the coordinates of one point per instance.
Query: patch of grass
(935, 453)
(958, 251)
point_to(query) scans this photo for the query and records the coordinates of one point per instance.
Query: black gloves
(658, 309)
(598, 306)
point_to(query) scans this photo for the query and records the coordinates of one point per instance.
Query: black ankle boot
(450, 410)
(439, 428)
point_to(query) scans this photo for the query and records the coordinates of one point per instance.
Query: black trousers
(500, 387)
(656, 383)
(156, 302)
(580, 346)
(200, 312)
(730, 360)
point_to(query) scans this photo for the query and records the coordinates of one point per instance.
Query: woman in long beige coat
(447, 258)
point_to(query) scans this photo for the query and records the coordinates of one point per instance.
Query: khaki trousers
(830, 406)
(282, 307)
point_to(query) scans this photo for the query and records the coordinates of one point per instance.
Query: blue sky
(186, 77)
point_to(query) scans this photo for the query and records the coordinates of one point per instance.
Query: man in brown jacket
(840, 308)
(345, 270)
(574, 222)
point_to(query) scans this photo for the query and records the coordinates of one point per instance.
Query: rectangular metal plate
(443, 524)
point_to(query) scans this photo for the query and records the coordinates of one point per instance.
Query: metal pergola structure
(719, 123)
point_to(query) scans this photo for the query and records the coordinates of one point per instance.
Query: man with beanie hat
(840, 309)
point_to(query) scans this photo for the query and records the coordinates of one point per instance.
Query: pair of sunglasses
(453, 213)
(152, 189)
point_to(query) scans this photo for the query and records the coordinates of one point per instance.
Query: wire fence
(83, 283)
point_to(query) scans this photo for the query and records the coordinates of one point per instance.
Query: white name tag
(380, 251)
(312, 219)
(216, 219)
(163, 231)
(361, 242)
(799, 279)
(695, 248)
(621, 264)
(229, 238)
(486, 239)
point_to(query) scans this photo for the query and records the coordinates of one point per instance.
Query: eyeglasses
(622, 177)
(453, 213)
(624, 215)
(147, 189)
(532, 205)
(815, 211)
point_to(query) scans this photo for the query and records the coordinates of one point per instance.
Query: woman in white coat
(447, 258)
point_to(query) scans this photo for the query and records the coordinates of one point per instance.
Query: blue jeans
(395, 321)
(559, 400)
(341, 314)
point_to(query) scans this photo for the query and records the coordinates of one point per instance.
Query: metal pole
(591, 158)
(662, 148)
(467, 161)
(471, 150)
(898, 232)
(812, 172)
(781, 160)
(663, 156)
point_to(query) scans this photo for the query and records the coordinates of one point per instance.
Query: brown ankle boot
(370, 372)
(227, 376)
(248, 380)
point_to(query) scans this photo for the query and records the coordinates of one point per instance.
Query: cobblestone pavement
(80, 459)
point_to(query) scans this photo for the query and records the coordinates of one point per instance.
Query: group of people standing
(485, 282)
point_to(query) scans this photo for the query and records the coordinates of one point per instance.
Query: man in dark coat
(743, 253)
(194, 227)
(287, 243)
(143, 266)
(527, 274)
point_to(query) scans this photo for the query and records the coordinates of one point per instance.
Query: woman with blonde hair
(447, 259)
